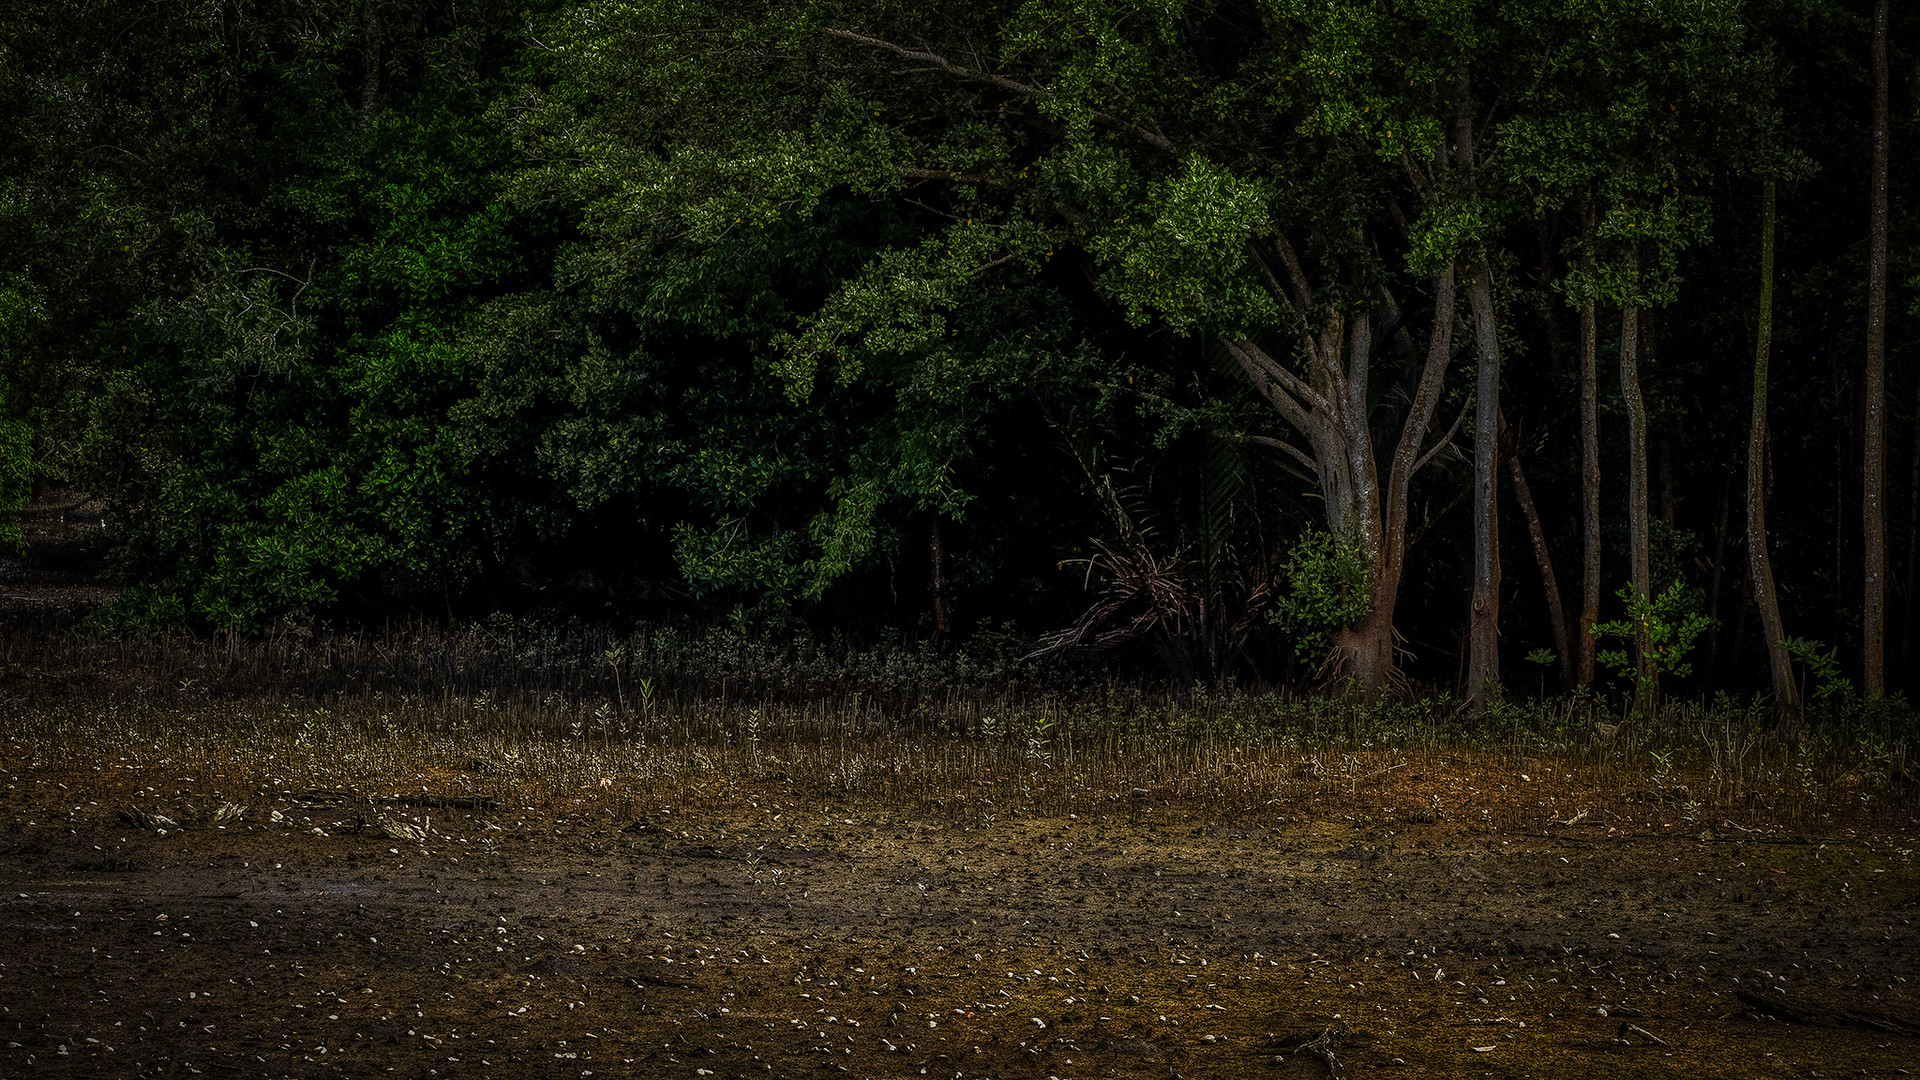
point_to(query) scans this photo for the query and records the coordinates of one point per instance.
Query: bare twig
(958, 71)
(1445, 440)
(958, 178)
(1636, 1029)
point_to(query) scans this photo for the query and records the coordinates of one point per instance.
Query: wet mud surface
(782, 942)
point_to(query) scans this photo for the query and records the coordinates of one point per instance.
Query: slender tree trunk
(1717, 574)
(1786, 697)
(1589, 462)
(1549, 584)
(1842, 441)
(1483, 658)
(1554, 301)
(1873, 511)
(1637, 551)
(1483, 623)
(937, 550)
(1913, 537)
(371, 40)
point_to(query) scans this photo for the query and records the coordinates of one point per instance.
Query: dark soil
(800, 943)
(775, 938)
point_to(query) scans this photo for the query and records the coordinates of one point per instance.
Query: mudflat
(781, 940)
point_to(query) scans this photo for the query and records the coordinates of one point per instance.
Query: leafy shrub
(1670, 620)
(1326, 585)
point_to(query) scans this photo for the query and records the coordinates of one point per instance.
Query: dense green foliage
(869, 318)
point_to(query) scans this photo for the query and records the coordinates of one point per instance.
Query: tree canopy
(1255, 341)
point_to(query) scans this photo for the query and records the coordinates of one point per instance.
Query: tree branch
(1291, 259)
(1255, 361)
(1298, 303)
(1281, 444)
(1426, 397)
(1272, 282)
(958, 178)
(1152, 138)
(1445, 441)
(937, 61)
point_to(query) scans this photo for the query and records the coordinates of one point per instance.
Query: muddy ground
(791, 942)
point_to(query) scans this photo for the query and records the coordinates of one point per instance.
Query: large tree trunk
(1873, 510)
(1589, 461)
(1786, 696)
(1331, 409)
(1483, 641)
(1365, 653)
(1637, 551)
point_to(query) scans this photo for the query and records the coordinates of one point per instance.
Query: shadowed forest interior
(1510, 347)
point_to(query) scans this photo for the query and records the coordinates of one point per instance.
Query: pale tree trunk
(1483, 633)
(1786, 696)
(1589, 462)
(1873, 511)
(1636, 410)
(1483, 642)
(1330, 408)
(1367, 649)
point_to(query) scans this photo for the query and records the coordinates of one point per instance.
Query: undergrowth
(658, 722)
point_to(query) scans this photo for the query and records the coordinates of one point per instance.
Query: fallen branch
(1636, 1029)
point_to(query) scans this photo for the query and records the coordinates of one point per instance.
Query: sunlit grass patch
(128, 731)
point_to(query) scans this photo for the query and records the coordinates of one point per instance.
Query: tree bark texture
(1913, 543)
(1786, 696)
(937, 551)
(1873, 511)
(1483, 643)
(1483, 620)
(1330, 409)
(1589, 465)
(1638, 556)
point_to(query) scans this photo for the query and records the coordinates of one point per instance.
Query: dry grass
(626, 728)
